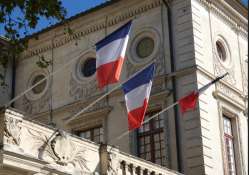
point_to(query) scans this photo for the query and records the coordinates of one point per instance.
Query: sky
(73, 7)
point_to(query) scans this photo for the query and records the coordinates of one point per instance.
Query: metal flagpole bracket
(136, 17)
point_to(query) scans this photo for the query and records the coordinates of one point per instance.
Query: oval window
(221, 51)
(40, 87)
(145, 47)
(90, 67)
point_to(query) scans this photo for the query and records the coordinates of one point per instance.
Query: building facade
(204, 40)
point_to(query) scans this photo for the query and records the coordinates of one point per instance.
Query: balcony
(29, 147)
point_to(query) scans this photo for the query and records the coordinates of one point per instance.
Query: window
(94, 134)
(229, 146)
(145, 47)
(151, 145)
(90, 67)
(220, 51)
(40, 87)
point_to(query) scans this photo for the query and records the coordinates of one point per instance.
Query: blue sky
(73, 7)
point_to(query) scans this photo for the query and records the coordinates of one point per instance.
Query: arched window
(90, 67)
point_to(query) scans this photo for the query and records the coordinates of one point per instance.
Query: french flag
(137, 93)
(110, 55)
(190, 100)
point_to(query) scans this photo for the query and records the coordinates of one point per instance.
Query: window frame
(86, 64)
(230, 137)
(219, 54)
(92, 134)
(145, 48)
(38, 86)
(151, 133)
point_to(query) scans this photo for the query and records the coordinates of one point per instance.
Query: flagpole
(145, 122)
(156, 115)
(120, 84)
(20, 95)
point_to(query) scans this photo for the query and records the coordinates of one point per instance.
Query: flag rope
(155, 116)
(20, 95)
(144, 122)
(120, 84)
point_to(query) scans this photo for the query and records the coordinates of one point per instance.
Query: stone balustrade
(29, 147)
(121, 163)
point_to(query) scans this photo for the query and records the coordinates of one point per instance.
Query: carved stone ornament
(222, 107)
(159, 65)
(44, 120)
(113, 163)
(96, 106)
(229, 93)
(12, 131)
(245, 82)
(79, 91)
(157, 87)
(61, 149)
(35, 107)
(220, 70)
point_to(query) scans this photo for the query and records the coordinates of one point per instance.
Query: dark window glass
(94, 134)
(145, 47)
(40, 87)
(90, 67)
(229, 146)
(219, 51)
(151, 145)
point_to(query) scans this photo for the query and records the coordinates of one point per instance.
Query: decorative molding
(224, 18)
(92, 29)
(12, 130)
(131, 148)
(102, 120)
(166, 132)
(157, 87)
(222, 107)
(113, 163)
(98, 105)
(231, 95)
(220, 70)
(80, 91)
(61, 149)
(44, 120)
(104, 126)
(34, 107)
(159, 65)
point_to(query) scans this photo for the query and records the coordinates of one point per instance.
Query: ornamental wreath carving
(61, 149)
(35, 107)
(113, 163)
(79, 91)
(131, 69)
(220, 70)
(12, 131)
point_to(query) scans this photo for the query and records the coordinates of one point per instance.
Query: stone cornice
(128, 15)
(225, 18)
(222, 96)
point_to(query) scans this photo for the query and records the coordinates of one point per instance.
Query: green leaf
(1, 77)
(42, 57)
(2, 83)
